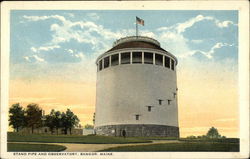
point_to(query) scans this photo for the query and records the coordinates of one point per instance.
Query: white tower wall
(126, 90)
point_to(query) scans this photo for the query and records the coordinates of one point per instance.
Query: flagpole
(136, 27)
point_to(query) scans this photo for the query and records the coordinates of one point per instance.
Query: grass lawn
(157, 138)
(16, 137)
(180, 147)
(20, 147)
(220, 140)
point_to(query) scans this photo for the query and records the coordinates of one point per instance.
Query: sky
(53, 53)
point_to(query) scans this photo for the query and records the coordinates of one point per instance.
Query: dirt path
(98, 147)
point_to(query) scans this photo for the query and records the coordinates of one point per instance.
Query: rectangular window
(160, 101)
(149, 108)
(174, 94)
(137, 117)
(158, 59)
(106, 62)
(167, 62)
(100, 65)
(137, 57)
(114, 59)
(148, 58)
(125, 58)
(172, 64)
(169, 101)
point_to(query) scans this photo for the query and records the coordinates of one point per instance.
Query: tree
(69, 120)
(191, 137)
(87, 126)
(57, 120)
(16, 116)
(53, 121)
(49, 121)
(94, 118)
(213, 133)
(33, 116)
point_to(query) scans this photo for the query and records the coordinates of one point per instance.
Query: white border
(241, 6)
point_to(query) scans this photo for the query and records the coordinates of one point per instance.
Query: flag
(139, 21)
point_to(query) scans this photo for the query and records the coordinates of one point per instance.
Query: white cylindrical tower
(136, 92)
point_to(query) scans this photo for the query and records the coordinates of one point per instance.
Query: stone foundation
(136, 130)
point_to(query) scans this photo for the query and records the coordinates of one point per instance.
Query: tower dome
(136, 90)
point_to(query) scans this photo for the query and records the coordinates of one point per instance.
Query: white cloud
(38, 58)
(27, 58)
(38, 18)
(70, 51)
(172, 37)
(93, 16)
(101, 38)
(181, 27)
(44, 48)
(223, 24)
(33, 49)
(33, 58)
(79, 55)
(208, 54)
(217, 46)
(70, 15)
(197, 41)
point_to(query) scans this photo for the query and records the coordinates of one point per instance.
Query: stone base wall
(136, 130)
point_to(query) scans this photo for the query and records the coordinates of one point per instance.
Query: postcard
(125, 79)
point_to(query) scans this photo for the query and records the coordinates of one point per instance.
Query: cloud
(93, 16)
(173, 37)
(70, 51)
(38, 58)
(39, 18)
(197, 41)
(33, 58)
(208, 54)
(100, 39)
(181, 27)
(27, 58)
(223, 24)
(83, 32)
(44, 48)
(70, 15)
(79, 55)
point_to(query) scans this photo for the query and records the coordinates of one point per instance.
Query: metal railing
(135, 38)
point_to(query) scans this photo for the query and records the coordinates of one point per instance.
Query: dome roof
(131, 42)
(136, 42)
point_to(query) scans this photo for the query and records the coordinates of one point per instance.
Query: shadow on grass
(22, 147)
(179, 147)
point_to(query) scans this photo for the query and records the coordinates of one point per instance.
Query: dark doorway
(124, 133)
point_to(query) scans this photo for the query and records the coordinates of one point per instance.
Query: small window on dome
(106, 62)
(137, 57)
(125, 58)
(158, 59)
(167, 62)
(172, 64)
(114, 59)
(148, 58)
(100, 65)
